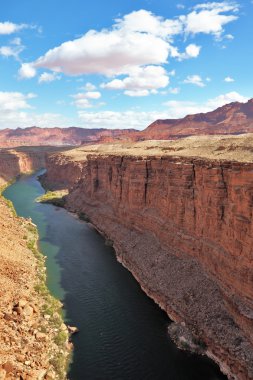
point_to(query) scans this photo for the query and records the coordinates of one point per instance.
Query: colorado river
(123, 334)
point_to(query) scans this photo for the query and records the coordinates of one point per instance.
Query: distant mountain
(59, 136)
(233, 118)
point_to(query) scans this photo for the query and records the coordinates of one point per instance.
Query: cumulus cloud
(9, 27)
(109, 52)
(191, 51)
(122, 120)
(210, 18)
(194, 79)
(229, 79)
(141, 81)
(138, 39)
(27, 71)
(179, 109)
(48, 77)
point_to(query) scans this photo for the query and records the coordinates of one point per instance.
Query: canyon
(179, 215)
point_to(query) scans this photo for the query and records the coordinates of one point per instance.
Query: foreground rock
(183, 226)
(33, 340)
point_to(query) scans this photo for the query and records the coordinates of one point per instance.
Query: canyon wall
(22, 160)
(183, 226)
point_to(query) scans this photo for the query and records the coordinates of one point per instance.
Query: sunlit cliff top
(230, 147)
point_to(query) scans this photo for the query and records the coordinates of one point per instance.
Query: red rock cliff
(184, 228)
(22, 160)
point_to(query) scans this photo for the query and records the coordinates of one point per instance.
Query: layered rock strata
(22, 160)
(183, 226)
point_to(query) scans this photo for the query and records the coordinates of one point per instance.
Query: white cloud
(87, 95)
(229, 79)
(93, 95)
(9, 27)
(136, 40)
(179, 109)
(27, 71)
(82, 103)
(12, 50)
(137, 93)
(88, 87)
(141, 81)
(48, 77)
(229, 36)
(210, 18)
(180, 6)
(191, 51)
(15, 111)
(225, 99)
(194, 79)
(16, 41)
(174, 90)
(122, 120)
(82, 100)
(109, 52)
(12, 101)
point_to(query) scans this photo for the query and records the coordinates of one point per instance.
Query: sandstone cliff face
(22, 160)
(61, 174)
(184, 228)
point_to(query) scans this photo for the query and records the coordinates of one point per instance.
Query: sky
(121, 64)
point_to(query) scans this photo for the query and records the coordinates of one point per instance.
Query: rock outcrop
(183, 226)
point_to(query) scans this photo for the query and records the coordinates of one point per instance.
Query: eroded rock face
(22, 160)
(184, 228)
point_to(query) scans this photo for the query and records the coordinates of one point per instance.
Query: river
(123, 333)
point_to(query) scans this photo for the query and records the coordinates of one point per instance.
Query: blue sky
(121, 64)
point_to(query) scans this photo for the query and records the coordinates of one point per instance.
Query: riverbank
(33, 338)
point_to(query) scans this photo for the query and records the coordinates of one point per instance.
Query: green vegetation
(56, 198)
